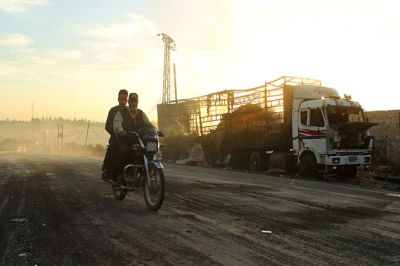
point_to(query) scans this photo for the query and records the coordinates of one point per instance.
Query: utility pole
(33, 111)
(169, 45)
(87, 132)
(176, 90)
(60, 135)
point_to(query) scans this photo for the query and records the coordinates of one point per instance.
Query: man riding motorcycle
(112, 149)
(128, 119)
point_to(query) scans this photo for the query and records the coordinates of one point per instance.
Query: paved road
(210, 217)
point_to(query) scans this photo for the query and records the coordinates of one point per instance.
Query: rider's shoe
(104, 175)
(118, 180)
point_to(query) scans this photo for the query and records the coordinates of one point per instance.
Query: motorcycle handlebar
(159, 133)
(132, 133)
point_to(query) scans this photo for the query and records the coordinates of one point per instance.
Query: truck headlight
(371, 144)
(336, 160)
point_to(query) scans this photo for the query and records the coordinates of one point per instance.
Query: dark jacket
(110, 119)
(132, 123)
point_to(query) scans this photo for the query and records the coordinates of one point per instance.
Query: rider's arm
(117, 125)
(146, 120)
(109, 122)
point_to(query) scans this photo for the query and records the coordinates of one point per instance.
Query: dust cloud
(54, 135)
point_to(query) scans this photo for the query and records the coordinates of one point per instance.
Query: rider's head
(133, 100)
(122, 97)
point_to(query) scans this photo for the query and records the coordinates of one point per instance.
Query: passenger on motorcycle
(128, 119)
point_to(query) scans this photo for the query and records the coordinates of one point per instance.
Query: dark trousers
(111, 153)
(123, 157)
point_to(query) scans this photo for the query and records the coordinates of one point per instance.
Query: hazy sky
(70, 57)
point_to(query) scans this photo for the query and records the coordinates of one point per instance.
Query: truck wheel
(308, 166)
(255, 162)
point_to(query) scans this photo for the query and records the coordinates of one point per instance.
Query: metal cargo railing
(256, 106)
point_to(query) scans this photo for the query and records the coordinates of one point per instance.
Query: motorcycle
(143, 170)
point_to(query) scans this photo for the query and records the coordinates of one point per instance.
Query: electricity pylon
(169, 45)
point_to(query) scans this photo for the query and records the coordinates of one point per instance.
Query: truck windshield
(338, 115)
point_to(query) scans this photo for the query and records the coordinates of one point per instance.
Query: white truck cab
(329, 133)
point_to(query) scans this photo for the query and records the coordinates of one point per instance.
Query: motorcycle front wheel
(154, 196)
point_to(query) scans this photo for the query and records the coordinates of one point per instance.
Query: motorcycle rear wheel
(154, 196)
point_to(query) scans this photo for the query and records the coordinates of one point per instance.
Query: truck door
(312, 131)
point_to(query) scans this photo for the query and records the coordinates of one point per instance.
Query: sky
(69, 58)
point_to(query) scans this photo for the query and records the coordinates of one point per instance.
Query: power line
(144, 40)
(22, 61)
(112, 50)
(32, 62)
(81, 68)
(166, 88)
(200, 48)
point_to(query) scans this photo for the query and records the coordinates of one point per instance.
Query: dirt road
(54, 210)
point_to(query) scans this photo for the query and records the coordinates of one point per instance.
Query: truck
(290, 123)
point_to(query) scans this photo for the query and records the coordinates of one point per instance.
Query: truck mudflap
(338, 160)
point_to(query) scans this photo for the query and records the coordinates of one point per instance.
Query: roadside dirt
(210, 217)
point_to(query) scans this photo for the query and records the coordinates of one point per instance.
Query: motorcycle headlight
(151, 146)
